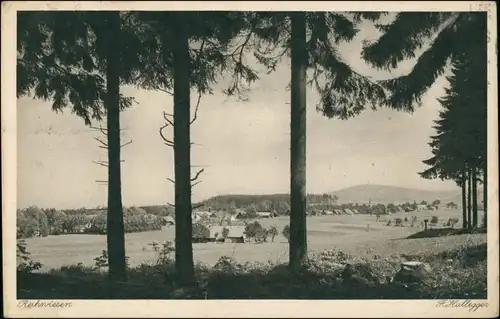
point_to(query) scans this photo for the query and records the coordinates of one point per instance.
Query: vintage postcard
(250, 159)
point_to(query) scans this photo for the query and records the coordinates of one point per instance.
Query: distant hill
(242, 200)
(357, 194)
(393, 194)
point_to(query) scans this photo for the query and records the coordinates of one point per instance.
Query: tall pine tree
(310, 39)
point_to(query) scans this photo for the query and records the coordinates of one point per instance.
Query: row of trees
(82, 58)
(459, 148)
(36, 222)
(258, 233)
(277, 202)
(135, 220)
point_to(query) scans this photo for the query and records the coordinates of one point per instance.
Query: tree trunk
(115, 231)
(182, 156)
(485, 194)
(469, 198)
(474, 197)
(298, 229)
(464, 197)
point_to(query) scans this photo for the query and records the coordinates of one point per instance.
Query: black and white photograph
(230, 151)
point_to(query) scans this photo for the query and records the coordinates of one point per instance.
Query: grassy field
(349, 233)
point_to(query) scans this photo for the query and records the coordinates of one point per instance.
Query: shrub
(227, 265)
(225, 232)
(398, 222)
(101, 262)
(286, 232)
(452, 222)
(200, 230)
(273, 232)
(261, 235)
(434, 220)
(78, 270)
(164, 252)
(253, 230)
(24, 262)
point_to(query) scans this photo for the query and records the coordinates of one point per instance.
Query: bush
(78, 270)
(261, 235)
(101, 262)
(434, 220)
(273, 232)
(200, 230)
(225, 232)
(452, 222)
(286, 232)
(164, 252)
(253, 230)
(227, 265)
(24, 262)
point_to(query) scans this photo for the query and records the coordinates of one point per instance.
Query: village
(233, 226)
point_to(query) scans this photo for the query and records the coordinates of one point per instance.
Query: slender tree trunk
(464, 197)
(182, 156)
(474, 197)
(469, 198)
(115, 231)
(298, 229)
(485, 194)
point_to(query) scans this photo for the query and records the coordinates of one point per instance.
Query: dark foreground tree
(78, 59)
(343, 92)
(115, 231)
(190, 49)
(457, 147)
(463, 186)
(460, 39)
(298, 228)
(182, 151)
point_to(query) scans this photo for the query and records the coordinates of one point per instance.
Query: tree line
(459, 147)
(80, 59)
(36, 222)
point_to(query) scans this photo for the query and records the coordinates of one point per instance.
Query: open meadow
(348, 233)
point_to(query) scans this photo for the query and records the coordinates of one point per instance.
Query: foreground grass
(458, 271)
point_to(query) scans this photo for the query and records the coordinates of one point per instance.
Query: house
(421, 207)
(206, 214)
(224, 216)
(168, 220)
(264, 214)
(236, 234)
(239, 215)
(328, 212)
(348, 211)
(83, 228)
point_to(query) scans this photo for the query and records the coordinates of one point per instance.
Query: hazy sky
(245, 146)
